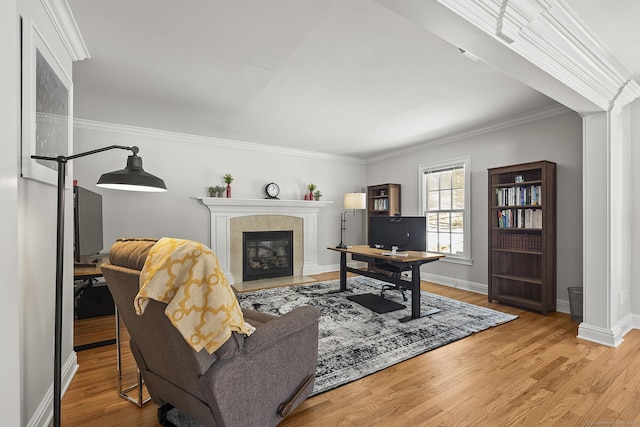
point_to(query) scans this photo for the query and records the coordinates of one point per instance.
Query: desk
(87, 273)
(413, 259)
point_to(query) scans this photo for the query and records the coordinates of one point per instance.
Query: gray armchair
(249, 381)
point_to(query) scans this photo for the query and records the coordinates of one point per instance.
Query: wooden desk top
(412, 256)
(85, 271)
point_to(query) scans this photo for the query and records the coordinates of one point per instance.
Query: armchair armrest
(271, 376)
(280, 328)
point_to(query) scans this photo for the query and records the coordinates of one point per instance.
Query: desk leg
(343, 271)
(415, 294)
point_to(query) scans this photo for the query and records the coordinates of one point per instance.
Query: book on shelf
(519, 242)
(519, 218)
(519, 196)
(381, 204)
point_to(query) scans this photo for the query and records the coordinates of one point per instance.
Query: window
(445, 190)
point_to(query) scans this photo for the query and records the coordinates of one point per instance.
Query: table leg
(343, 271)
(415, 294)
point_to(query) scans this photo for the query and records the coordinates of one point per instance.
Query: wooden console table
(413, 260)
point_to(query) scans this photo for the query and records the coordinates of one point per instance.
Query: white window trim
(422, 202)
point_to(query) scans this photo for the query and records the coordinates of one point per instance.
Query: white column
(607, 227)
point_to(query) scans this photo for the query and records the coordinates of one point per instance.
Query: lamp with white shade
(352, 201)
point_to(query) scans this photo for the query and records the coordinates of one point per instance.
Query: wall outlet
(623, 295)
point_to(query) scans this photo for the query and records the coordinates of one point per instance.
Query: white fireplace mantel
(222, 210)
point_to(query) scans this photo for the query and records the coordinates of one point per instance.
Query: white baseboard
(562, 305)
(479, 288)
(598, 335)
(43, 416)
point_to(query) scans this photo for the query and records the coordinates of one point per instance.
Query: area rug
(355, 342)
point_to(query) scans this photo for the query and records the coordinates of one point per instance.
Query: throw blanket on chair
(186, 276)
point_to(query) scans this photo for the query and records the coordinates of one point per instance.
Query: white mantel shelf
(222, 210)
(221, 204)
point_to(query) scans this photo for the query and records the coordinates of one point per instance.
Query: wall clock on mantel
(272, 190)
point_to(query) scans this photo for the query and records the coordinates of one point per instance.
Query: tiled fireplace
(231, 217)
(267, 254)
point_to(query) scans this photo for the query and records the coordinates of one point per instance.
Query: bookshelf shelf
(383, 200)
(522, 235)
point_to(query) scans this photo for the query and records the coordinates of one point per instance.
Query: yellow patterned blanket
(200, 303)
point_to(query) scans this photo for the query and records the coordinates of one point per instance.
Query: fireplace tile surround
(230, 217)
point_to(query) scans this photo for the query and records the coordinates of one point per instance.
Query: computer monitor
(87, 223)
(408, 233)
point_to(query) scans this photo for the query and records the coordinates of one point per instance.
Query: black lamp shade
(132, 178)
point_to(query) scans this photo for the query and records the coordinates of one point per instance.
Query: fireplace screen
(267, 254)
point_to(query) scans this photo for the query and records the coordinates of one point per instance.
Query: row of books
(519, 242)
(519, 218)
(381, 204)
(519, 196)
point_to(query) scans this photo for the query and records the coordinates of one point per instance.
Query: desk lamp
(352, 201)
(132, 178)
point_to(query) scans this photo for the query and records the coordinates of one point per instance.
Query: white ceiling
(346, 77)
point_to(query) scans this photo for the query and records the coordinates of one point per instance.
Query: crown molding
(65, 24)
(219, 142)
(551, 36)
(542, 113)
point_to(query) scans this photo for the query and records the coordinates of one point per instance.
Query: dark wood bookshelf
(522, 235)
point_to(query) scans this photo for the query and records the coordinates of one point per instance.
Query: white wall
(557, 139)
(36, 231)
(635, 212)
(189, 165)
(10, 369)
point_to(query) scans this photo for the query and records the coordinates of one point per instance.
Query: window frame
(423, 169)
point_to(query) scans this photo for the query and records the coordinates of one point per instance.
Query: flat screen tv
(408, 233)
(87, 221)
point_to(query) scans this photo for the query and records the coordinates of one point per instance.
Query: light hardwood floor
(529, 372)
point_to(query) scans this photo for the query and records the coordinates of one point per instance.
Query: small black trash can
(575, 303)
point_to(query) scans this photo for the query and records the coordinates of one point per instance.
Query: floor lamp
(132, 178)
(352, 201)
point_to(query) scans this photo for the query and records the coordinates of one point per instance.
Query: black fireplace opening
(267, 254)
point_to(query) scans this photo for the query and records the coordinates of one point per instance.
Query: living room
(190, 163)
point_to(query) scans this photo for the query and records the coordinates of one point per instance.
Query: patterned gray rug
(355, 342)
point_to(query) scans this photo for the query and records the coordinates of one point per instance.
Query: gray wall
(557, 139)
(189, 165)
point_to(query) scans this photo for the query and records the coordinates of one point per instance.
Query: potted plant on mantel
(317, 194)
(228, 179)
(311, 187)
(216, 191)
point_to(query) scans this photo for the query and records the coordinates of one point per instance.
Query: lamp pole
(343, 227)
(57, 367)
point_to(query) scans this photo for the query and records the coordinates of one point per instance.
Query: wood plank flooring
(529, 372)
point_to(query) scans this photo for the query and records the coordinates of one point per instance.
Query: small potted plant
(228, 179)
(216, 191)
(317, 194)
(311, 187)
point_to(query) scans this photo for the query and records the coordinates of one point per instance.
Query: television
(87, 221)
(408, 233)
